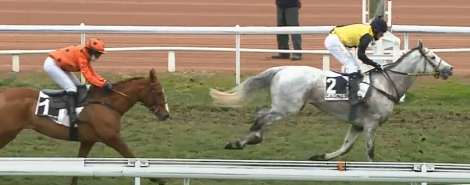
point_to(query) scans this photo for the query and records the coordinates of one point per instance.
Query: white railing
(223, 30)
(394, 54)
(182, 30)
(237, 169)
(408, 29)
(237, 30)
(172, 55)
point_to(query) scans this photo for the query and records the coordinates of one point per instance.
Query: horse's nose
(448, 71)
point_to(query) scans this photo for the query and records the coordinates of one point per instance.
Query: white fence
(172, 55)
(392, 55)
(406, 29)
(179, 30)
(237, 169)
(237, 31)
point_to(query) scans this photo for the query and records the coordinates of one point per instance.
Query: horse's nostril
(450, 68)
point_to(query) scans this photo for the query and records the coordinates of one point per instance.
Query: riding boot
(71, 104)
(353, 89)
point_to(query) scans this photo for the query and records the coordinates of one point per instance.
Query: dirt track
(209, 13)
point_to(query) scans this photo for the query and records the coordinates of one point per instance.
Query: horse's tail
(243, 93)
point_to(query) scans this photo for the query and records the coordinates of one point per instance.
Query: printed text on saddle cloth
(336, 86)
(60, 116)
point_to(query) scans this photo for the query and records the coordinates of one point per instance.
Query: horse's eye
(433, 58)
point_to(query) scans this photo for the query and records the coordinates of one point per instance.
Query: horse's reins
(154, 107)
(436, 74)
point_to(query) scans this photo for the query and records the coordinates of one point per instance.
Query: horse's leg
(348, 143)
(265, 117)
(85, 148)
(285, 101)
(8, 136)
(115, 141)
(257, 137)
(8, 132)
(370, 130)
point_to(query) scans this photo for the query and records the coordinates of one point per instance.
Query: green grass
(431, 126)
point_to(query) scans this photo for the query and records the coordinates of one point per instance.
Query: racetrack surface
(210, 13)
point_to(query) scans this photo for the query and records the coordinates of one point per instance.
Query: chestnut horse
(99, 119)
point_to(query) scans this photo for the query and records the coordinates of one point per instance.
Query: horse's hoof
(159, 181)
(321, 157)
(233, 146)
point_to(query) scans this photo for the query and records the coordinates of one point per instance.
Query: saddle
(58, 98)
(53, 104)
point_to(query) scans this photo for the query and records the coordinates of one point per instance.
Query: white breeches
(67, 80)
(341, 53)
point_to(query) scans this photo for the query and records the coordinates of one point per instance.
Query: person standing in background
(376, 9)
(288, 15)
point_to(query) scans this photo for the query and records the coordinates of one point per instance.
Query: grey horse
(292, 87)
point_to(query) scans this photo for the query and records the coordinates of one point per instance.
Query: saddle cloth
(336, 86)
(53, 104)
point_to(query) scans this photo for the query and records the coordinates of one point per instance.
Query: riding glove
(108, 86)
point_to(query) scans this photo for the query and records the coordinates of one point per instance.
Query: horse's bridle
(385, 71)
(153, 107)
(436, 72)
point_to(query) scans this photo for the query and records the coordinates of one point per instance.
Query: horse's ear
(152, 75)
(420, 44)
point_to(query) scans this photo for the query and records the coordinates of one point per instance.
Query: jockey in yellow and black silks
(354, 36)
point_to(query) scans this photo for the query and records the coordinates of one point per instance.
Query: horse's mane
(399, 60)
(127, 80)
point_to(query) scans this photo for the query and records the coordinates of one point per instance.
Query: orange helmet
(96, 44)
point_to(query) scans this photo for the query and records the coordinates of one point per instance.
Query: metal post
(237, 57)
(82, 42)
(407, 42)
(424, 169)
(389, 12)
(365, 12)
(171, 61)
(186, 182)
(15, 63)
(396, 53)
(137, 179)
(326, 62)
